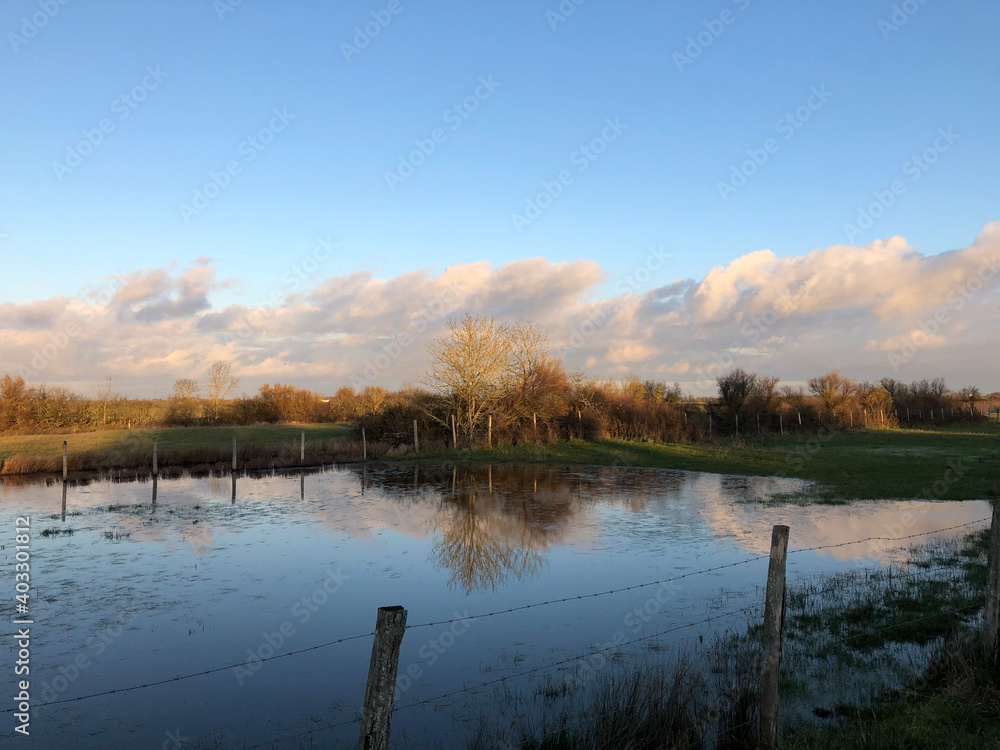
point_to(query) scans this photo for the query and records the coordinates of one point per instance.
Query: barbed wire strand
(194, 674)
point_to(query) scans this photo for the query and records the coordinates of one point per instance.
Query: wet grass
(948, 463)
(259, 447)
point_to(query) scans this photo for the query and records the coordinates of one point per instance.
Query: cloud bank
(882, 309)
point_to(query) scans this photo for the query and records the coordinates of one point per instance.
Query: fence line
(506, 611)
(575, 658)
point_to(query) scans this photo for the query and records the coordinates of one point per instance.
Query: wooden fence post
(380, 692)
(65, 462)
(302, 448)
(489, 431)
(737, 424)
(364, 445)
(991, 614)
(710, 424)
(454, 434)
(774, 620)
(416, 438)
(800, 419)
(781, 425)
(155, 468)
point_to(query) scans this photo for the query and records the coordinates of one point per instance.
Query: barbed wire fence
(382, 704)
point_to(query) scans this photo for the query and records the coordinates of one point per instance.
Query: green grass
(858, 464)
(259, 446)
(181, 438)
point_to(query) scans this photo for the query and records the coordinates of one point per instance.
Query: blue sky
(426, 138)
(324, 175)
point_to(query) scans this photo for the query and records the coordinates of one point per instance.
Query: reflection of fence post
(991, 615)
(234, 454)
(364, 445)
(65, 462)
(155, 469)
(416, 438)
(379, 694)
(774, 620)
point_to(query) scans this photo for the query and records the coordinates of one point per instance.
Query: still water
(192, 575)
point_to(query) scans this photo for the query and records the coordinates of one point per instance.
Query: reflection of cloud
(817, 525)
(841, 305)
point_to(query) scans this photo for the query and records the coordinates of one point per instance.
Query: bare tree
(832, 390)
(220, 383)
(470, 366)
(735, 388)
(104, 393)
(971, 395)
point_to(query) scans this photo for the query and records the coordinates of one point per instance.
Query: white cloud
(840, 307)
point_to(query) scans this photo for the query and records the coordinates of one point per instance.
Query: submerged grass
(885, 659)
(883, 464)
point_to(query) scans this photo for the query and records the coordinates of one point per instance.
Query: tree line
(491, 380)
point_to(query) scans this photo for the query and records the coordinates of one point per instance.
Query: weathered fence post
(710, 424)
(800, 419)
(65, 462)
(454, 434)
(302, 448)
(774, 620)
(781, 425)
(758, 423)
(155, 468)
(416, 438)
(737, 424)
(991, 615)
(364, 445)
(852, 420)
(489, 431)
(380, 692)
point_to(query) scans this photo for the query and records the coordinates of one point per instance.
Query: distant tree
(219, 384)
(938, 387)
(735, 388)
(831, 389)
(105, 392)
(182, 406)
(971, 396)
(764, 394)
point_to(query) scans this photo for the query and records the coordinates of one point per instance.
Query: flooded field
(136, 583)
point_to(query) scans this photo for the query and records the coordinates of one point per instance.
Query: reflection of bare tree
(484, 548)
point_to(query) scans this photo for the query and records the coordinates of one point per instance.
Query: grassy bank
(959, 463)
(176, 446)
